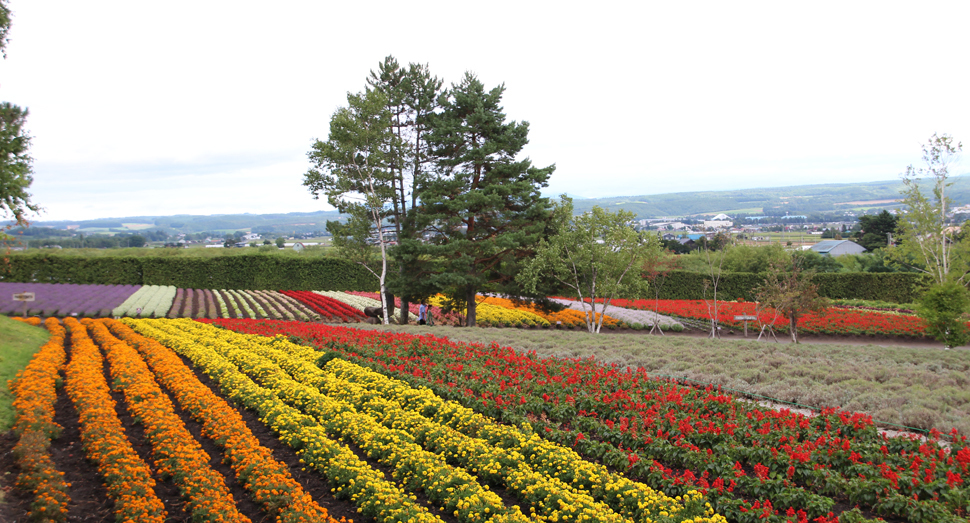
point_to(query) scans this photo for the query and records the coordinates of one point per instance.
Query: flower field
(752, 463)
(64, 299)
(387, 450)
(835, 320)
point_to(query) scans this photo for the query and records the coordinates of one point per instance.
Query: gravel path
(628, 315)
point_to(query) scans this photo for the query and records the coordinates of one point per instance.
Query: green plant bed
(18, 343)
(918, 387)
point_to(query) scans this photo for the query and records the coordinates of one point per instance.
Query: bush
(224, 272)
(895, 287)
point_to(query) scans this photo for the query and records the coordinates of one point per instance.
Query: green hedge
(895, 287)
(254, 272)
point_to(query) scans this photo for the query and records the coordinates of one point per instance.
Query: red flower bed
(328, 308)
(755, 464)
(832, 321)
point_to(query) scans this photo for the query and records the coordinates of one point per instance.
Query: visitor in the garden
(422, 313)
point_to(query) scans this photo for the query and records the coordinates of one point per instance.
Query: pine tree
(483, 205)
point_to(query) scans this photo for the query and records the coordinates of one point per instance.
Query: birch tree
(352, 168)
(597, 256)
(925, 233)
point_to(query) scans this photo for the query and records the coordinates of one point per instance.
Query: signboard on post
(24, 297)
(745, 319)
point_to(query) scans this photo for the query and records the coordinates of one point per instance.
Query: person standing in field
(422, 313)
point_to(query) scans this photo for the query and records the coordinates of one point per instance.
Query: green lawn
(18, 343)
(914, 386)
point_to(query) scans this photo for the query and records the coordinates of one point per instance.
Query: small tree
(789, 289)
(714, 254)
(942, 309)
(657, 265)
(280, 242)
(924, 229)
(594, 255)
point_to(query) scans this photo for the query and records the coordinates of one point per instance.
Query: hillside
(798, 199)
(776, 201)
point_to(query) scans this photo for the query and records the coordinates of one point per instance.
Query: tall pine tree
(483, 205)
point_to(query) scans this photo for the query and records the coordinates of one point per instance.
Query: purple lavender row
(64, 299)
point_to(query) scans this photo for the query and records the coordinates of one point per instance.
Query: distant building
(837, 248)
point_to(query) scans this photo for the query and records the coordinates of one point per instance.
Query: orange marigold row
(567, 317)
(177, 453)
(35, 392)
(268, 481)
(33, 320)
(126, 476)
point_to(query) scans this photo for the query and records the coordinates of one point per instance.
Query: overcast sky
(209, 107)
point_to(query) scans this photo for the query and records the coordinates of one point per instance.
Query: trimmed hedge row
(895, 287)
(252, 272)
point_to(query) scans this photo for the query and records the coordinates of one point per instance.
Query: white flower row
(147, 302)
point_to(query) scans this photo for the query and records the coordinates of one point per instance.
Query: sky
(209, 107)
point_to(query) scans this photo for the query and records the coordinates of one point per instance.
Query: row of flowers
(512, 457)
(329, 309)
(150, 301)
(177, 454)
(565, 317)
(840, 321)
(267, 480)
(127, 477)
(35, 392)
(727, 447)
(351, 477)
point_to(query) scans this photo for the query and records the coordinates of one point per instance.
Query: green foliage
(280, 242)
(942, 307)
(888, 287)
(790, 289)
(595, 255)
(925, 234)
(483, 203)
(875, 229)
(255, 271)
(16, 170)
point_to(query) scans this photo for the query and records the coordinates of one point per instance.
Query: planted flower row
(519, 461)
(64, 299)
(834, 320)
(786, 459)
(35, 392)
(127, 477)
(178, 455)
(268, 481)
(352, 478)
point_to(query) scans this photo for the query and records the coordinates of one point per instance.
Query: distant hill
(293, 223)
(776, 201)
(798, 199)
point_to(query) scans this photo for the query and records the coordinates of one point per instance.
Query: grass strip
(35, 392)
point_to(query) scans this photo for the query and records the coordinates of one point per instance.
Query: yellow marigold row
(35, 392)
(453, 489)
(127, 478)
(628, 497)
(177, 453)
(566, 317)
(268, 481)
(353, 478)
(494, 315)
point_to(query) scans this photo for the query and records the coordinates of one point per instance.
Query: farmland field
(328, 422)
